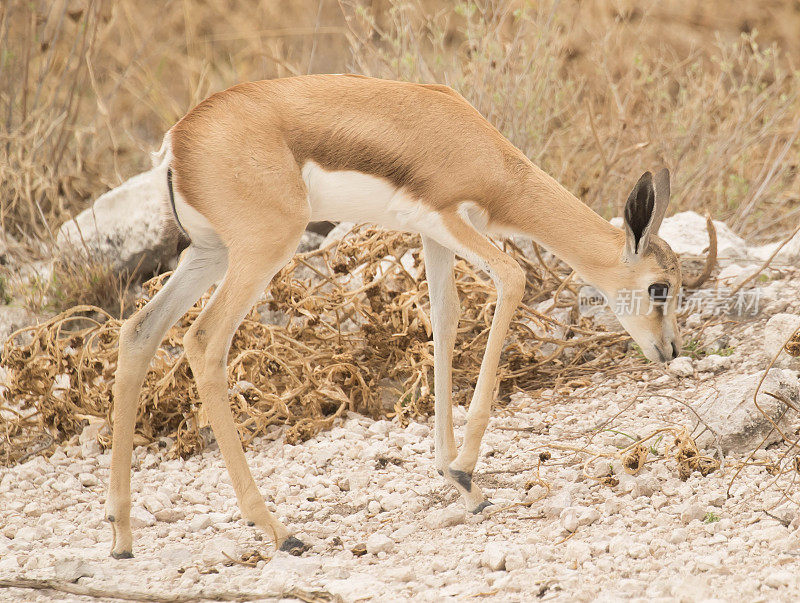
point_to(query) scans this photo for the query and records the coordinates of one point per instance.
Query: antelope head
(643, 288)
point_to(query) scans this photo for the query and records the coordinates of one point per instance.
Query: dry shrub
(357, 331)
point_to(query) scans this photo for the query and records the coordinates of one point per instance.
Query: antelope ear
(644, 212)
(661, 185)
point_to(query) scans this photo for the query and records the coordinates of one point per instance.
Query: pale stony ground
(652, 537)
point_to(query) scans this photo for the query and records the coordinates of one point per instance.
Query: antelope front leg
(460, 237)
(444, 320)
(510, 280)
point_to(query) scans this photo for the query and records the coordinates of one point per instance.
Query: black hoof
(463, 478)
(294, 546)
(481, 507)
(251, 523)
(122, 555)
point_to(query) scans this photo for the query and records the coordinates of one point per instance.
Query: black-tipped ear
(639, 213)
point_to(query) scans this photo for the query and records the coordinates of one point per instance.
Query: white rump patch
(194, 223)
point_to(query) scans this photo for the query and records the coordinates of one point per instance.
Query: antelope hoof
(462, 478)
(294, 546)
(482, 506)
(121, 540)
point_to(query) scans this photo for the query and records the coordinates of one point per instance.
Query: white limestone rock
(219, 550)
(574, 517)
(176, 555)
(123, 226)
(70, 568)
(681, 366)
(449, 516)
(141, 518)
(778, 329)
(494, 556)
(714, 363)
(734, 417)
(378, 543)
(691, 511)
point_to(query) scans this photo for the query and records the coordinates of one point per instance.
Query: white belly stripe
(356, 197)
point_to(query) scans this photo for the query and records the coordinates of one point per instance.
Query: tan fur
(427, 140)
(238, 160)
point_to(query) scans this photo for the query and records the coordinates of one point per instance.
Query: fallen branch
(104, 593)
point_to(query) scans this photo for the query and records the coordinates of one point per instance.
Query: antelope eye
(659, 292)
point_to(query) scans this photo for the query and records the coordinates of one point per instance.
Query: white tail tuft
(164, 154)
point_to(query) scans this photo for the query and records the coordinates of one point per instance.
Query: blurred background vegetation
(594, 92)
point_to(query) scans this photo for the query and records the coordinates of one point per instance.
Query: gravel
(650, 537)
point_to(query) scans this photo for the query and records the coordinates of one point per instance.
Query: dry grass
(594, 94)
(723, 116)
(88, 87)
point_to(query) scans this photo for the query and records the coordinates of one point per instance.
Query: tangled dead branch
(634, 457)
(792, 346)
(689, 457)
(356, 331)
